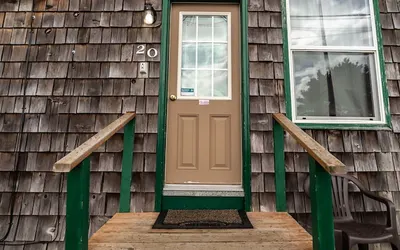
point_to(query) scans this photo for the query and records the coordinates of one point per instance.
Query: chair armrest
(391, 209)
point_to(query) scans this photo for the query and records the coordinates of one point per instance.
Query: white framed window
(333, 54)
(204, 57)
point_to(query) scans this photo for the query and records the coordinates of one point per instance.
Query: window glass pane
(335, 84)
(189, 55)
(220, 56)
(221, 28)
(204, 55)
(189, 28)
(188, 82)
(221, 83)
(331, 22)
(204, 83)
(205, 28)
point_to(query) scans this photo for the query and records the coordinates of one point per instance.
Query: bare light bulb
(149, 14)
(148, 18)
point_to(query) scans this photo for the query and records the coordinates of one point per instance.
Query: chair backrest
(340, 197)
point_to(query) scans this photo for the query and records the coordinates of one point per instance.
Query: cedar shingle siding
(79, 72)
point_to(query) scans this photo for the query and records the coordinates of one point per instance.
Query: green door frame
(162, 101)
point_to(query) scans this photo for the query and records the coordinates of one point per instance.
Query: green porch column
(280, 173)
(127, 162)
(77, 221)
(321, 207)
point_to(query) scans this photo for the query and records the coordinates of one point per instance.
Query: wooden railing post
(321, 207)
(127, 162)
(77, 221)
(279, 159)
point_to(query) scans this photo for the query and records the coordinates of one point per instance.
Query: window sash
(350, 49)
(372, 18)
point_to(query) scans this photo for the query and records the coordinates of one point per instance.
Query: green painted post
(246, 148)
(127, 162)
(321, 207)
(77, 221)
(162, 105)
(280, 173)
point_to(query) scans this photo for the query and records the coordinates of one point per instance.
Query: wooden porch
(276, 230)
(133, 231)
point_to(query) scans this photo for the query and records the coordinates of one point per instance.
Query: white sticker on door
(187, 91)
(204, 102)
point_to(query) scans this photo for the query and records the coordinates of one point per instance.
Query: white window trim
(373, 49)
(229, 42)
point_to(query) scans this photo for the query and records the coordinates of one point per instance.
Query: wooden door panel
(220, 143)
(188, 137)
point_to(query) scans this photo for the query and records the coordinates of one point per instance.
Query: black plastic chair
(348, 232)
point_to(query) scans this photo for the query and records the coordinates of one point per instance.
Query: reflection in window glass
(331, 23)
(204, 56)
(335, 84)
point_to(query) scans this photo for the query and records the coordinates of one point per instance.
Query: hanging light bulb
(149, 14)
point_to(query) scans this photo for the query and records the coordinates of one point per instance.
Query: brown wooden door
(203, 131)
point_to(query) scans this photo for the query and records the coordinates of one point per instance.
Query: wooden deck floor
(133, 231)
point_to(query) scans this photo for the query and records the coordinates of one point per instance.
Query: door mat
(202, 219)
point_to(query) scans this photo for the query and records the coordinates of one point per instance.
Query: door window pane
(204, 82)
(187, 78)
(204, 56)
(331, 23)
(335, 84)
(220, 83)
(221, 56)
(189, 28)
(188, 55)
(220, 28)
(205, 28)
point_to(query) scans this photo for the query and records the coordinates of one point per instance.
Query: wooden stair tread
(133, 231)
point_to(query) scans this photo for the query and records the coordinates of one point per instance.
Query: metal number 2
(140, 50)
(152, 52)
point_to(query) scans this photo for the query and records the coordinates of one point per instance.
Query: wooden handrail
(71, 160)
(329, 162)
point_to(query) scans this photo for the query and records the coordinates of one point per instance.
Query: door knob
(172, 97)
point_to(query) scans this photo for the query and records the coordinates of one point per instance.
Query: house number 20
(152, 52)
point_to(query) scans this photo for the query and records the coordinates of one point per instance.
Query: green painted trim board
(196, 202)
(162, 105)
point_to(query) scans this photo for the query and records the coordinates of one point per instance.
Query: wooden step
(133, 231)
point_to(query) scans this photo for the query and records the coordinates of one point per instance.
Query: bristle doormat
(202, 219)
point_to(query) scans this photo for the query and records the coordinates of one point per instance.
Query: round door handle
(172, 97)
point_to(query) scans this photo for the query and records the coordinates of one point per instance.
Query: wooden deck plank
(133, 231)
(208, 246)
